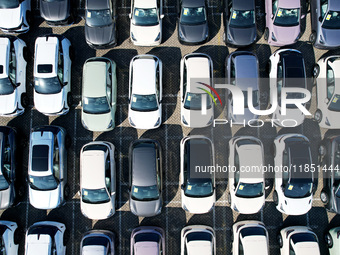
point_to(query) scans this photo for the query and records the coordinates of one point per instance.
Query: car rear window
(253, 231)
(303, 237)
(40, 158)
(1, 69)
(45, 68)
(100, 241)
(147, 237)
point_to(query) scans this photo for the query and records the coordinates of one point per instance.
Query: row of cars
(283, 21)
(48, 237)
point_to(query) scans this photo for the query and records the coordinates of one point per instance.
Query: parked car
(145, 178)
(325, 24)
(239, 18)
(198, 239)
(52, 74)
(15, 16)
(147, 240)
(99, 94)
(198, 192)
(9, 237)
(298, 240)
(10, 189)
(13, 62)
(101, 23)
(294, 189)
(250, 237)
(193, 25)
(47, 167)
(98, 180)
(283, 25)
(326, 74)
(333, 241)
(196, 66)
(146, 22)
(57, 12)
(45, 238)
(145, 92)
(329, 158)
(287, 69)
(246, 187)
(99, 242)
(242, 70)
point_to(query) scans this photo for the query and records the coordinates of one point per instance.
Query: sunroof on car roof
(40, 158)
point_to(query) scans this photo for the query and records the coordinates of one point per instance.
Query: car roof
(39, 244)
(193, 3)
(335, 65)
(310, 248)
(144, 76)
(250, 155)
(200, 247)
(146, 248)
(144, 166)
(46, 53)
(94, 250)
(245, 5)
(145, 3)
(4, 52)
(333, 5)
(94, 79)
(93, 169)
(197, 67)
(289, 4)
(255, 245)
(246, 68)
(97, 4)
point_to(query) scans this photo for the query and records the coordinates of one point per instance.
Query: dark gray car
(56, 12)
(192, 21)
(239, 22)
(145, 181)
(100, 23)
(325, 19)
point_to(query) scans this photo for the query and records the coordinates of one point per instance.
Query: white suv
(52, 74)
(15, 16)
(13, 97)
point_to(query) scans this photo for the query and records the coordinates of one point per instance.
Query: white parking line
(74, 181)
(166, 184)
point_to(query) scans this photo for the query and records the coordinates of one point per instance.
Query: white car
(293, 194)
(246, 188)
(98, 180)
(196, 66)
(298, 240)
(287, 69)
(13, 62)
(52, 74)
(8, 244)
(15, 16)
(198, 239)
(198, 191)
(146, 22)
(250, 237)
(145, 92)
(326, 72)
(46, 238)
(333, 241)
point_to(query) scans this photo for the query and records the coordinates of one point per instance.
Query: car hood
(333, 118)
(285, 35)
(193, 34)
(294, 114)
(97, 211)
(247, 116)
(145, 34)
(331, 37)
(100, 35)
(54, 11)
(198, 205)
(145, 208)
(242, 36)
(196, 119)
(249, 205)
(11, 18)
(296, 206)
(144, 120)
(5, 198)
(8, 103)
(97, 122)
(48, 199)
(49, 104)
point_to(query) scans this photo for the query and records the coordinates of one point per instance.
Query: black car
(329, 158)
(192, 21)
(57, 12)
(239, 22)
(100, 23)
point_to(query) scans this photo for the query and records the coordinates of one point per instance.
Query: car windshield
(287, 17)
(199, 188)
(6, 86)
(332, 20)
(145, 193)
(291, 95)
(9, 4)
(255, 98)
(47, 85)
(242, 19)
(3, 183)
(193, 16)
(193, 101)
(43, 182)
(249, 190)
(298, 188)
(95, 196)
(144, 103)
(145, 17)
(98, 18)
(95, 105)
(335, 104)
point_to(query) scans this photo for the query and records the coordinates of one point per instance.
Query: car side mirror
(65, 83)
(18, 84)
(303, 16)
(320, 19)
(182, 186)
(162, 16)
(326, 101)
(31, 84)
(130, 15)
(272, 16)
(267, 184)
